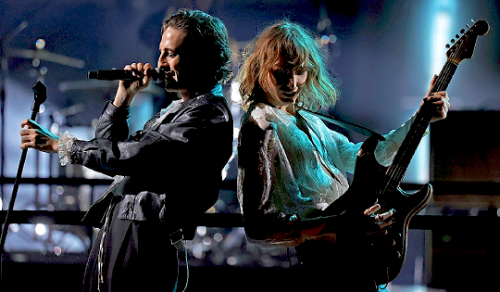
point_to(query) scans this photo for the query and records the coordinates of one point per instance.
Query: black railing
(423, 222)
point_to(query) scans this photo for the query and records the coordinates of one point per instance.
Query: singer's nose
(163, 60)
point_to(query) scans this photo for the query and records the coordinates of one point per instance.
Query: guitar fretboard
(396, 171)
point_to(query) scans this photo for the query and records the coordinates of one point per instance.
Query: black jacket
(171, 168)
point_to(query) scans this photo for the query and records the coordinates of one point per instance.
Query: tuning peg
(472, 20)
(468, 26)
(447, 46)
(462, 30)
(457, 36)
(452, 41)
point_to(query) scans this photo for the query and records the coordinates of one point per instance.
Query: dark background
(383, 55)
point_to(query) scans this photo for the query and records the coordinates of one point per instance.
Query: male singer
(168, 171)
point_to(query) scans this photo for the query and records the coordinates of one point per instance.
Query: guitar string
(419, 126)
(398, 170)
(447, 73)
(441, 82)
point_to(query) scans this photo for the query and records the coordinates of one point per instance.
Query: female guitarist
(292, 167)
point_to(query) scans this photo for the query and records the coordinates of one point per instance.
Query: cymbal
(46, 56)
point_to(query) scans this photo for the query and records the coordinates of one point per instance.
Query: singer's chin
(171, 85)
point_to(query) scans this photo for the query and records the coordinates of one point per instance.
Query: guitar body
(386, 253)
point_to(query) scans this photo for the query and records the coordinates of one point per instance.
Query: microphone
(158, 75)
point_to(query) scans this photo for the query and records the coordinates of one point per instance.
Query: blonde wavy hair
(286, 43)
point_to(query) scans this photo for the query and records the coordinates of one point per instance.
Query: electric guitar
(373, 183)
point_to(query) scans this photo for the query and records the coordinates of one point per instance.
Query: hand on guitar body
(368, 228)
(382, 220)
(350, 226)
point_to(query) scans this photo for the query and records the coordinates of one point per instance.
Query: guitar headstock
(463, 48)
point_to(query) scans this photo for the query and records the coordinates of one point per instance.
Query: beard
(194, 80)
(171, 84)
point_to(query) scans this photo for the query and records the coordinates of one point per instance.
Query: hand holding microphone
(158, 75)
(134, 78)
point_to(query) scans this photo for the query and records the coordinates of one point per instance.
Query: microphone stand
(40, 95)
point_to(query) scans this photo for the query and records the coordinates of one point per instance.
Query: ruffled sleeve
(66, 141)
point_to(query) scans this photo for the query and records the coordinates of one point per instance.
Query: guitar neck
(396, 171)
(445, 76)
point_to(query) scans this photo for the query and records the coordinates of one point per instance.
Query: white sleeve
(386, 150)
(65, 143)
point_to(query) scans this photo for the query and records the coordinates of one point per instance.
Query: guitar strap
(346, 125)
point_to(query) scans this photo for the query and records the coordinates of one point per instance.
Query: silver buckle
(176, 236)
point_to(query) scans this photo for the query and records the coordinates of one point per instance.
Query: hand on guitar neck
(437, 103)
